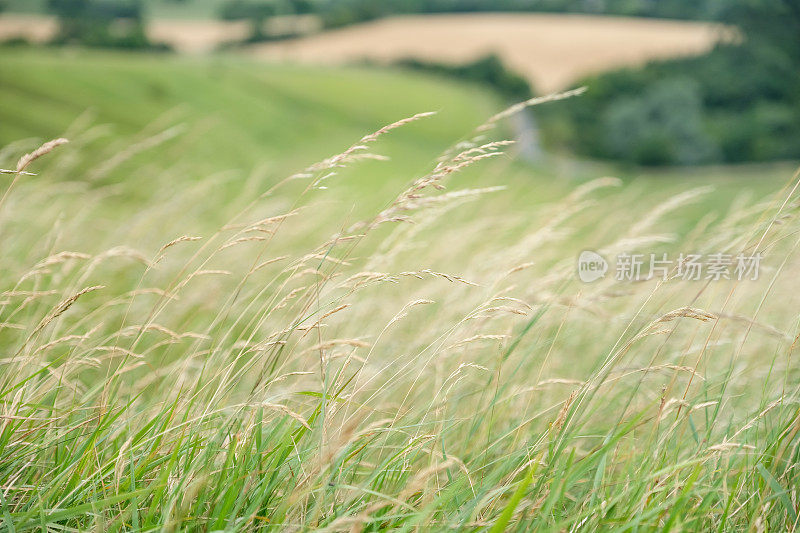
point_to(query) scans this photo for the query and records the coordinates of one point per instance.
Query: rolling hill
(231, 113)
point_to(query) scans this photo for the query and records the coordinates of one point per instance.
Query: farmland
(551, 51)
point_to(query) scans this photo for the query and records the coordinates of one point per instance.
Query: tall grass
(435, 366)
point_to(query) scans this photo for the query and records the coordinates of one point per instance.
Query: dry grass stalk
(537, 100)
(687, 312)
(285, 410)
(182, 238)
(62, 308)
(342, 158)
(44, 149)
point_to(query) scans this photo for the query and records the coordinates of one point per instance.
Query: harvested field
(196, 36)
(551, 51)
(184, 35)
(35, 28)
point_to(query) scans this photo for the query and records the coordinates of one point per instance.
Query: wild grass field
(235, 314)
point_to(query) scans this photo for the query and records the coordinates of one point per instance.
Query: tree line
(740, 102)
(101, 23)
(338, 13)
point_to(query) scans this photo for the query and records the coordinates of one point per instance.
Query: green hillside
(160, 122)
(248, 113)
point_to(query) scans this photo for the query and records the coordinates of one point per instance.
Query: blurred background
(671, 82)
(219, 255)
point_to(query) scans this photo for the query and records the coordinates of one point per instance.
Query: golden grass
(400, 371)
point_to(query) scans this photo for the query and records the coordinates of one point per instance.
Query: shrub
(488, 70)
(101, 23)
(662, 126)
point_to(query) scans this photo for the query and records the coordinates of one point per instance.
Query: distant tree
(663, 126)
(115, 23)
(684, 9)
(740, 102)
(344, 12)
(302, 7)
(336, 13)
(247, 9)
(768, 22)
(488, 70)
(251, 10)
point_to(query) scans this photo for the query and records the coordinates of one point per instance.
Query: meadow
(247, 297)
